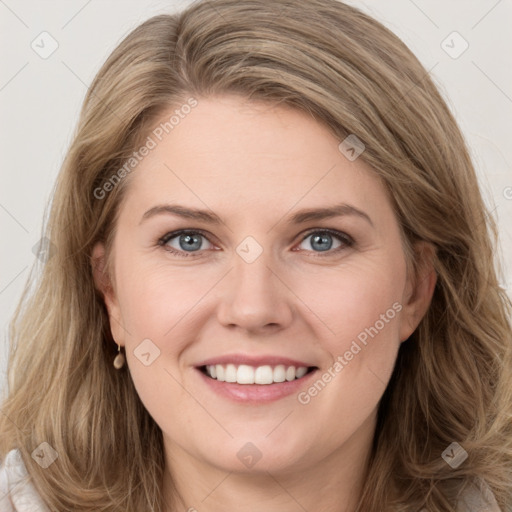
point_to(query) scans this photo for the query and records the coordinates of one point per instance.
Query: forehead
(231, 151)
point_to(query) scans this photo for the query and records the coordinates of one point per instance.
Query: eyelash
(346, 240)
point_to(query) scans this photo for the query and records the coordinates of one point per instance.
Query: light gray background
(40, 100)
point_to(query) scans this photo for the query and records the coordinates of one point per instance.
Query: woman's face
(265, 280)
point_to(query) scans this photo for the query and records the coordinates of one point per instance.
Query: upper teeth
(245, 374)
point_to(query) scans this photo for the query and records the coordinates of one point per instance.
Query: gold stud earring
(119, 359)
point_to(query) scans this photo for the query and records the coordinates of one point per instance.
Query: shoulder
(477, 496)
(17, 494)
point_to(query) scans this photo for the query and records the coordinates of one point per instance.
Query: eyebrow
(302, 216)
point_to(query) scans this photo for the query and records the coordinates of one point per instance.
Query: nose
(254, 297)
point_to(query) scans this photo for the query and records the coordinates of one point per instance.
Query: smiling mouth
(263, 375)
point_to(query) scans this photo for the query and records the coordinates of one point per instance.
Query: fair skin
(255, 166)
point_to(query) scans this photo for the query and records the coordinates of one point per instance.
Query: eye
(321, 240)
(184, 241)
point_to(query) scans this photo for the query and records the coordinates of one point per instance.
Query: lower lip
(256, 393)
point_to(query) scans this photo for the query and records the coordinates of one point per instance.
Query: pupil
(189, 241)
(322, 239)
(320, 242)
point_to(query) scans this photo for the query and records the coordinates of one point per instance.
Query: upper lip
(238, 359)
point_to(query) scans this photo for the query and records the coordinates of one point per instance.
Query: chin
(260, 454)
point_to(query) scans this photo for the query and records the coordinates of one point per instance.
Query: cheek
(341, 303)
(157, 299)
(338, 308)
(351, 299)
(157, 306)
(364, 315)
(359, 308)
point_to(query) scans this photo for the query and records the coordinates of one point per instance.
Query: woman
(272, 283)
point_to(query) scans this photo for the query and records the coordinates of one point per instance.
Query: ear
(419, 289)
(103, 283)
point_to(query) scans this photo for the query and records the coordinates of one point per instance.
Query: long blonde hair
(453, 377)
